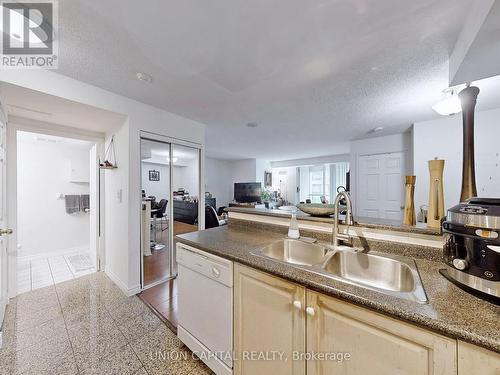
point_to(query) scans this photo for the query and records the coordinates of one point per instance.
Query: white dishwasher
(205, 306)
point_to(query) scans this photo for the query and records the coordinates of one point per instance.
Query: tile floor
(40, 273)
(88, 326)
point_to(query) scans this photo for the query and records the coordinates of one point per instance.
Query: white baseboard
(128, 291)
(135, 290)
(50, 254)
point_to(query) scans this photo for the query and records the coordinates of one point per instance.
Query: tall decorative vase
(436, 194)
(468, 97)
(409, 212)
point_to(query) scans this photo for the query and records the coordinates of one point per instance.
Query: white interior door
(3, 230)
(381, 186)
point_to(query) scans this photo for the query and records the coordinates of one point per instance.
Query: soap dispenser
(293, 230)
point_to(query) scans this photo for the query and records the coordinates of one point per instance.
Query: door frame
(14, 125)
(4, 259)
(201, 198)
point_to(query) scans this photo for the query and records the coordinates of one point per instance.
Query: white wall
(379, 145)
(218, 180)
(285, 180)
(44, 227)
(187, 177)
(222, 174)
(241, 171)
(261, 166)
(442, 138)
(159, 189)
(122, 215)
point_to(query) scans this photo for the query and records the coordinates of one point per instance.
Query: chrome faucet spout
(336, 236)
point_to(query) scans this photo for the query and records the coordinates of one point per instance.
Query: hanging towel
(72, 204)
(85, 202)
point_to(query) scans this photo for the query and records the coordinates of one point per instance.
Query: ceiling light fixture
(450, 105)
(375, 130)
(144, 77)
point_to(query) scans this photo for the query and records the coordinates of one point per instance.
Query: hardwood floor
(156, 265)
(162, 298)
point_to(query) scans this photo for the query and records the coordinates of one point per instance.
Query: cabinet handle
(310, 311)
(297, 305)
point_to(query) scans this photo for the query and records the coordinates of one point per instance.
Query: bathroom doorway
(57, 208)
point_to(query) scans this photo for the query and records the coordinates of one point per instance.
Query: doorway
(170, 175)
(381, 186)
(56, 195)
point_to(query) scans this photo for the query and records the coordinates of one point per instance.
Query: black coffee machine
(472, 247)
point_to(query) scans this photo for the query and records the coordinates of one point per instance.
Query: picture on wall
(154, 175)
(268, 179)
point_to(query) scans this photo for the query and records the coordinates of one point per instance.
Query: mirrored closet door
(170, 204)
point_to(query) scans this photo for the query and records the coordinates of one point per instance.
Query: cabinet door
(376, 344)
(268, 321)
(475, 360)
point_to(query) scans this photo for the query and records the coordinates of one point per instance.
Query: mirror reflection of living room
(166, 180)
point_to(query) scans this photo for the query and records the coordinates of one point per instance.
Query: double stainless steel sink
(389, 274)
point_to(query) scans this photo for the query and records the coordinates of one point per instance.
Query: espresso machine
(472, 247)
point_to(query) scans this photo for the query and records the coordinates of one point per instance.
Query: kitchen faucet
(336, 236)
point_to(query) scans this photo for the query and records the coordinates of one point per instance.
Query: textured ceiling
(312, 74)
(34, 105)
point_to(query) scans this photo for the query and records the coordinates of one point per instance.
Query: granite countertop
(450, 310)
(365, 222)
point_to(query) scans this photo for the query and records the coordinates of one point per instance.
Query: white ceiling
(34, 105)
(312, 74)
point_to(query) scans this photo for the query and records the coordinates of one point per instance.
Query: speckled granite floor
(88, 326)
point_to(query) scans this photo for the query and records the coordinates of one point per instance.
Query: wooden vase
(409, 212)
(468, 97)
(436, 194)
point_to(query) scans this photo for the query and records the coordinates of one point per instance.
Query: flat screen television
(247, 192)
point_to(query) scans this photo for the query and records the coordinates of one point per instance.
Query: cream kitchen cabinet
(375, 344)
(475, 360)
(273, 315)
(269, 320)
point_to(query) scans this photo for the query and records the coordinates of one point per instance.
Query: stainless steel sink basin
(388, 274)
(296, 252)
